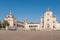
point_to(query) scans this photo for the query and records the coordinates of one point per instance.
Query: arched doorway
(48, 27)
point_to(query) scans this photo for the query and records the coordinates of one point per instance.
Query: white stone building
(48, 22)
(12, 21)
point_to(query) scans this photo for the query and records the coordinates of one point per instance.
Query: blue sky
(31, 10)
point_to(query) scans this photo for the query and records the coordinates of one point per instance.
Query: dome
(10, 15)
(48, 12)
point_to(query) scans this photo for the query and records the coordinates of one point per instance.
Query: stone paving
(29, 35)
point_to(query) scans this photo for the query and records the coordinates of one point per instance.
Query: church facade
(48, 22)
(12, 21)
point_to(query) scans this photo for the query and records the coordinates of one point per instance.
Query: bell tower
(12, 21)
(48, 20)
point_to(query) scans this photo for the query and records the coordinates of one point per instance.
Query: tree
(0, 25)
(5, 23)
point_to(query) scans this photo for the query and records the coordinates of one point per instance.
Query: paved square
(29, 35)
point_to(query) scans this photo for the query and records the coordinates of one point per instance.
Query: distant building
(11, 20)
(48, 22)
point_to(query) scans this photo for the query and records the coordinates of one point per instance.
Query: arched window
(48, 25)
(53, 26)
(47, 19)
(47, 13)
(42, 26)
(14, 24)
(53, 21)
